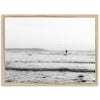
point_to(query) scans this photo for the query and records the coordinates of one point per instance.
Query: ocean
(49, 66)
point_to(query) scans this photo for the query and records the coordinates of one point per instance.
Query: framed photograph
(49, 50)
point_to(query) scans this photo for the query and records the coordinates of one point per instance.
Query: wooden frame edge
(96, 48)
(49, 84)
(3, 48)
(51, 15)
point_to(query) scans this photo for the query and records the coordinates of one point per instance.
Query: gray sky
(50, 33)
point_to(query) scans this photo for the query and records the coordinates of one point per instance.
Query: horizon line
(53, 49)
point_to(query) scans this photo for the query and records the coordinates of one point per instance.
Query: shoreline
(49, 69)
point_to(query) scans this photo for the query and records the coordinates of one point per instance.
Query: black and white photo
(50, 50)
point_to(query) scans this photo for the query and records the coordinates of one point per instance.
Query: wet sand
(48, 77)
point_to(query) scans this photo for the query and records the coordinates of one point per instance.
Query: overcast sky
(50, 33)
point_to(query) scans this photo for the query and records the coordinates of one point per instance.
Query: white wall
(49, 7)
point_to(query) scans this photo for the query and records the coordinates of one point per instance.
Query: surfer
(30, 54)
(66, 52)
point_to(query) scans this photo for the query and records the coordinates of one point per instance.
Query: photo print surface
(49, 50)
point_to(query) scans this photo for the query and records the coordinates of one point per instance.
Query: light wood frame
(49, 16)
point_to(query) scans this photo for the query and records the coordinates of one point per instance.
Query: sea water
(49, 66)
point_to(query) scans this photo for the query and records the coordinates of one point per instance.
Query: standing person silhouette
(66, 52)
